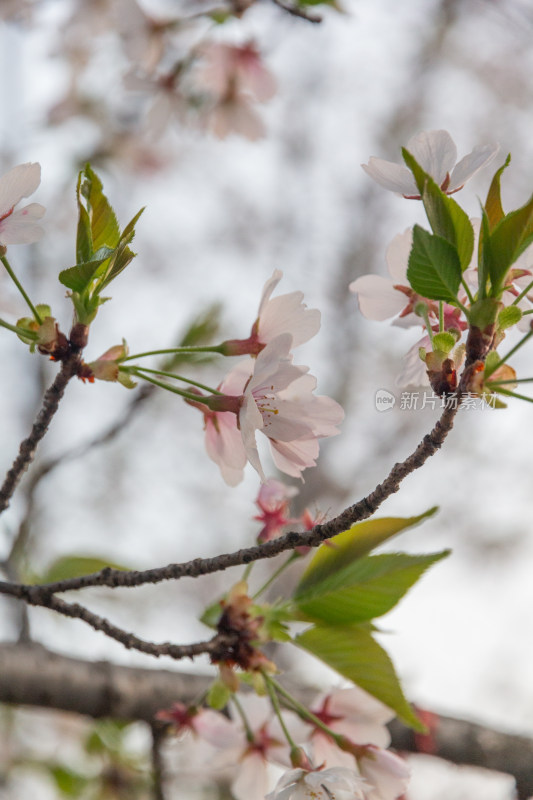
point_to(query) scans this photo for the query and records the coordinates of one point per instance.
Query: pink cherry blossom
(286, 313)
(273, 503)
(278, 401)
(223, 440)
(19, 227)
(387, 774)
(235, 78)
(354, 714)
(436, 153)
(337, 782)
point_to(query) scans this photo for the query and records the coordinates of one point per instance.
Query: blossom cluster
(253, 743)
(469, 276)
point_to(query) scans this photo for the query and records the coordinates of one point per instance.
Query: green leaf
(445, 215)
(357, 541)
(352, 652)
(444, 341)
(104, 225)
(211, 614)
(74, 567)
(218, 695)
(485, 256)
(84, 241)
(68, 782)
(365, 589)
(434, 269)
(80, 277)
(493, 206)
(492, 362)
(508, 240)
(509, 316)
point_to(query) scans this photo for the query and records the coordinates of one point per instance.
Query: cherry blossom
(263, 744)
(286, 313)
(338, 782)
(278, 400)
(19, 227)
(436, 153)
(273, 503)
(387, 774)
(234, 77)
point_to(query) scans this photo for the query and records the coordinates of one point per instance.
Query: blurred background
(97, 81)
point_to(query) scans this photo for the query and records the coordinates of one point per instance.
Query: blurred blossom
(436, 153)
(273, 503)
(340, 783)
(20, 227)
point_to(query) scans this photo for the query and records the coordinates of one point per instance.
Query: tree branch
(217, 646)
(298, 11)
(31, 675)
(204, 566)
(28, 447)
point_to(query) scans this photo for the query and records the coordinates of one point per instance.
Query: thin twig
(203, 566)
(298, 11)
(216, 647)
(158, 772)
(28, 447)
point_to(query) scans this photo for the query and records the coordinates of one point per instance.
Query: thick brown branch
(40, 426)
(215, 647)
(204, 566)
(31, 675)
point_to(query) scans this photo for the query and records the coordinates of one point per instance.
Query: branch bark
(361, 510)
(34, 676)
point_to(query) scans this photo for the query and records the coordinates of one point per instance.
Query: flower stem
(174, 376)
(522, 294)
(510, 380)
(467, 290)
(19, 286)
(271, 686)
(276, 574)
(20, 331)
(188, 395)
(242, 715)
(508, 393)
(302, 711)
(177, 350)
(511, 352)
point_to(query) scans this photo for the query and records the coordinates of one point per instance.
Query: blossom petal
(287, 313)
(436, 153)
(378, 299)
(19, 182)
(397, 256)
(391, 176)
(20, 227)
(480, 156)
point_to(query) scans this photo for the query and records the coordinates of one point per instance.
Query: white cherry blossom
(20, 227)
(279, 401)
(436, 153)
(337, 782)
(387, 774)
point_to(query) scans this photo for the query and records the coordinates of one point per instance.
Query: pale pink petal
(251, 782)
(20, 227)
(480, 156)
(397, 256)
(325, 751)
(224, 446)
(236, 116)
(387, 775)
(413, 372)
(391, 176)
(378, 299)
(287, 313)
(435, 152)
(268, 288)
(19, 182)
(293, 457)
(217, 729)
(356, 703)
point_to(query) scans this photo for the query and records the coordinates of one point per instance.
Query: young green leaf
(446, 217)
(508, 240)
(352, 544)
(493, 206)
(74, 567)
(352, 652)
(365, 589)
(434, 269)
(104, 225)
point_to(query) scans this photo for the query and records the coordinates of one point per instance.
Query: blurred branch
(34, 676)
(41, 594)
(298, 11)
